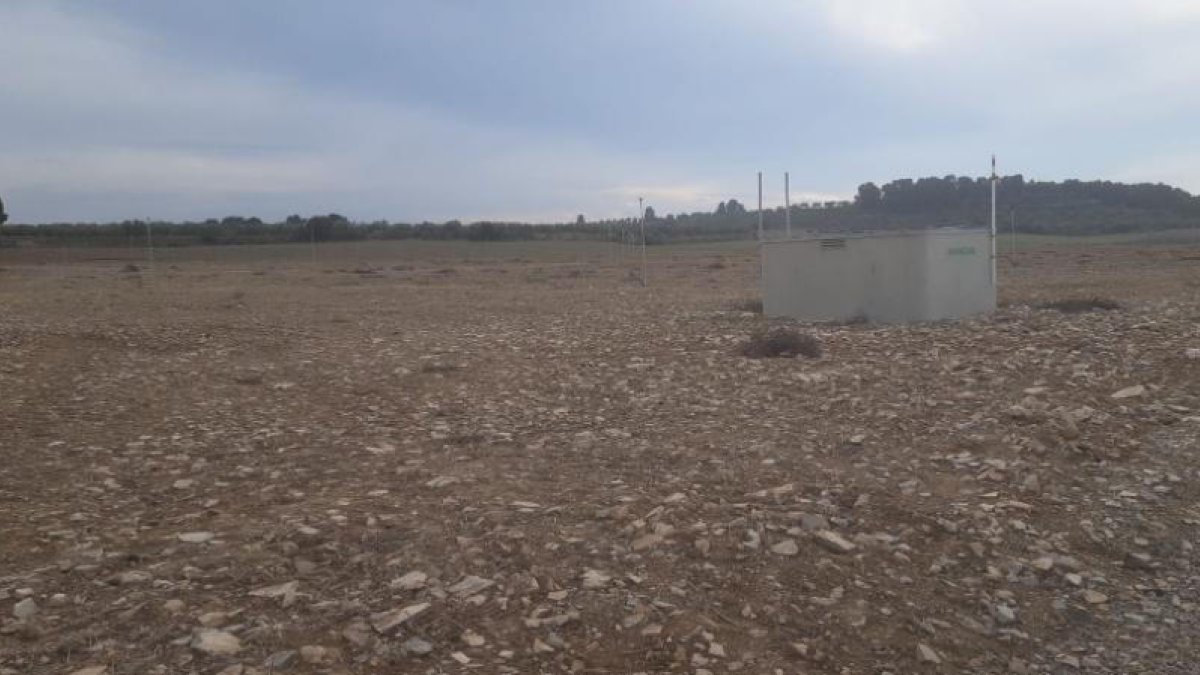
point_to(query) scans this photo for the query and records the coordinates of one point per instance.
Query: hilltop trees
(962, 195)
(3, 215)
(730, 208)
(1067, 207)
(869, 197)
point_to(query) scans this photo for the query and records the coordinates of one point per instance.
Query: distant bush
(780, 343)
(1081, 305)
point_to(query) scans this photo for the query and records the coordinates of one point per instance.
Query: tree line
(1067, 207)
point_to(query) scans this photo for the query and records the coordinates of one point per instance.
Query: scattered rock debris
(508, 470)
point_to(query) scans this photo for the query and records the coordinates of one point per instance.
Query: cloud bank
(435, 110)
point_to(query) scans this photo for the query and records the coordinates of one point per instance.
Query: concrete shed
(888, 277)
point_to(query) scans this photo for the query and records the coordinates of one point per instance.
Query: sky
(538, 110)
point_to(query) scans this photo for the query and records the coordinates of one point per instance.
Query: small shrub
(780, 343)
(1080, 305)
(131, 269)
(752, 305)
(860, 319)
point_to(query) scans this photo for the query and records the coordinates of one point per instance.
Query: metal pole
(993, 222)
(760, 217)
(642, 218)
(787, 204)
(1012, 226)
(312, 240)
(149, 243)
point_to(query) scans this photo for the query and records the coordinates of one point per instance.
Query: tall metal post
(787, 204)
(760, 217)
(312, 240)
(642, 219)
(149, 243)
(993, 221)
(1012, 228)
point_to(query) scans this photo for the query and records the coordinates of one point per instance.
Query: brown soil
(641, 497)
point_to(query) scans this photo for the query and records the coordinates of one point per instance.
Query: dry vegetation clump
(1081, 305)
(780, 343)
(856, 320)
(752, 305)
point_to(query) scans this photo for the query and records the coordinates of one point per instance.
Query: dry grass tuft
(1081, 305)
(752, 305)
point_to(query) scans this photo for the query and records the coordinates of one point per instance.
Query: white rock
(926, 653)
(813, 522)
(313, 653)
(132, 577)
(213, 619)
(646, 541)
(284, 590)
(25, 609)
(540, 647)
(386, 621)
(595, 579)
(1044, 563)
(473, 639)
(411, 581)
(470, 585)
(1004, 614)
(1130, 392)
(785, 547)
(216, 642)
(416, 645)
(834, 541)
(196, 537)
(1094, 597)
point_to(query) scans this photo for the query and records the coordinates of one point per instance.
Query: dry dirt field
(444, 458)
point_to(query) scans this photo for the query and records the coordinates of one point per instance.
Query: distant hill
(1068, 207)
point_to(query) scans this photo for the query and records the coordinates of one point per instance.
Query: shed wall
(920, 276)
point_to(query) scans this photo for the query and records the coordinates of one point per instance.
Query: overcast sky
(541, 109)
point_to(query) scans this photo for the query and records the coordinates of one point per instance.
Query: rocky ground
(508, 464)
